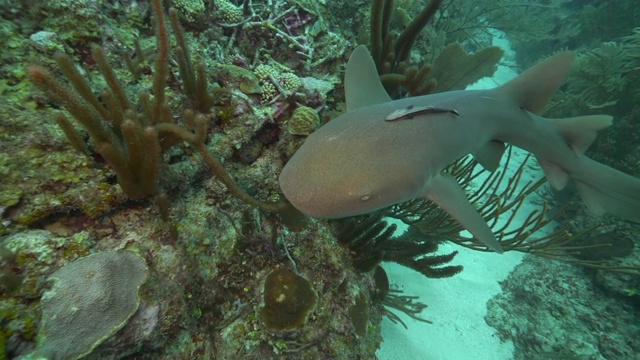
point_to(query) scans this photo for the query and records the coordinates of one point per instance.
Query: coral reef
(198, 111)
(452, 68)
(604, 80)
(248, 134)
(551, 310)
(191, 10)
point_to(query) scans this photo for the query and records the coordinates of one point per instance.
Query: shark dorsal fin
(532, 89)
(361, 81)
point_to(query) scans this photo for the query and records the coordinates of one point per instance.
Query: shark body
(382, 152)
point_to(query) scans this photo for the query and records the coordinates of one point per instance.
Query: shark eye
(365, 198)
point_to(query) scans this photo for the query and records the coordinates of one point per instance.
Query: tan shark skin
(358, 162)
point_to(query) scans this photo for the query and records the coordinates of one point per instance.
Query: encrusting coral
(90, 299)
(289, 299)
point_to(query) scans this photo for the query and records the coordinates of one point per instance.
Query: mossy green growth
(75, 19)
(359, 314)
(41, 175)
(17, 319)
(10, 196)
(3, 345)
(14, 48)
(288, 301)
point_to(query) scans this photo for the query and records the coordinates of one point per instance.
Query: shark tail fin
(532, 89)
(606, 190)
(578, 132)
(602, 188)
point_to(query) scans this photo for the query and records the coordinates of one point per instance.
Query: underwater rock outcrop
(551, 311)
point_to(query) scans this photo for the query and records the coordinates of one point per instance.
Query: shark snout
(320, 199)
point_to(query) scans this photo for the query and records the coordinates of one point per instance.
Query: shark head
(324, 179)
(350, 196)
(326, 161)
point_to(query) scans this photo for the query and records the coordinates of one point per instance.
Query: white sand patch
(457, 305)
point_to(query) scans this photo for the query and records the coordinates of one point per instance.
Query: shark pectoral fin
(445, 191)
(489, 155)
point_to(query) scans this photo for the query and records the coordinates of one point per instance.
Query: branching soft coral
(132, 138)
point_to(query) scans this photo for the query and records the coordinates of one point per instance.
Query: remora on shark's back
(383, 152)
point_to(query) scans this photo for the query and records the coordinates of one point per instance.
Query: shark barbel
(382, 152)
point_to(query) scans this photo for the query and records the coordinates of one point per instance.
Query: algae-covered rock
(552, 310)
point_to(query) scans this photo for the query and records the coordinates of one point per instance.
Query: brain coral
(303, 121)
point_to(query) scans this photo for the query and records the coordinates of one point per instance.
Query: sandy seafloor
(457, 305)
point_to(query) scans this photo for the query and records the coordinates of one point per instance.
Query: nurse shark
(382, 152)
